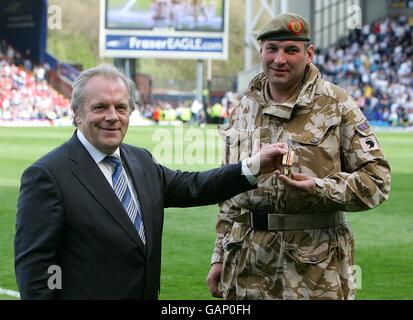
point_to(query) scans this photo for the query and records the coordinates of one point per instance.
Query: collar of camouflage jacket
(259, 88)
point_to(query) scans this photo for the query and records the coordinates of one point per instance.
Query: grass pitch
(383, 236)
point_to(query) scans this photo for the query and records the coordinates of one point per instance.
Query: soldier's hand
(213, 279)
(268, 159)
(299, 181)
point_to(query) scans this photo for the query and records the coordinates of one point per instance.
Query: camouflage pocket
(312, 254)
(236, 144)
(232, 245)
(313, 271)
(235, 237)
(317, 154)
(262, 136)
(321, 146)
(229, 244)
(264, 197)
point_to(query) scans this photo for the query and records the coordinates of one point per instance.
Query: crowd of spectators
(24, 90)
(192, 111)
(375, 65)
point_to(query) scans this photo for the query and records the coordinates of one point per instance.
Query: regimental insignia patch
(295, 26)
(369, 143)
(363, 127)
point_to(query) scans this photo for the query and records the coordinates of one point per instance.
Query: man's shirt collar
(95, 153)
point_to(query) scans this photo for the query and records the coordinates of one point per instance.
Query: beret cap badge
(295, 26)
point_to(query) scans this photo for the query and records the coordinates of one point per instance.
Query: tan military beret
(286, 26)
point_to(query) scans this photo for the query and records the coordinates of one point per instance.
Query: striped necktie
(121, 188)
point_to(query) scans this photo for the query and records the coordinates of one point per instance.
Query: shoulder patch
(369, 143)
(363, 127)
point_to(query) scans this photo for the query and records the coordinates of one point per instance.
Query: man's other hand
(213, 279)
(299, 181)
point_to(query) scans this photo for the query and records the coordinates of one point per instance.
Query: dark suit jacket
(68, 215)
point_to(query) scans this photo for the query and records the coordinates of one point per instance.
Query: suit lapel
(136, 172)
(88, 173)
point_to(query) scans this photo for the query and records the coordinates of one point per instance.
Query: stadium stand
(374, 64)
(26, 94)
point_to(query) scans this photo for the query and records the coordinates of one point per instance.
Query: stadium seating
(26, 94)
(374, 64)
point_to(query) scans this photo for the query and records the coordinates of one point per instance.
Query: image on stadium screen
(182, 15)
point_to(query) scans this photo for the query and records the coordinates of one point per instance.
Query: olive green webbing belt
(280, 222)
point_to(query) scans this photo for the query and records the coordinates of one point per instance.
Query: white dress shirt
(105, 167)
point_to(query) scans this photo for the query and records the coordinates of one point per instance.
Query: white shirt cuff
(247, 173)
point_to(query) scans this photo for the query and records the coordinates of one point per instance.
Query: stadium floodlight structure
(257, 12)
(252, 20)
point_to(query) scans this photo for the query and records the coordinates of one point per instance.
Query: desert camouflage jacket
(333, 143)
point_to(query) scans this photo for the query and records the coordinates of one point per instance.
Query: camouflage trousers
(303, 264)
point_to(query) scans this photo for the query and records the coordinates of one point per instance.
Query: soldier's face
(284, 62)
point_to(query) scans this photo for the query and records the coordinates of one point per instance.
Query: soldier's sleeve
(227, 209)
(364, 182)
(224, 225)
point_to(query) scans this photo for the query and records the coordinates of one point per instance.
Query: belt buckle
(281, 222)
(251, 219)
(259, 220)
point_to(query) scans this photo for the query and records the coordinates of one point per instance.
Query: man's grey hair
(105, 70)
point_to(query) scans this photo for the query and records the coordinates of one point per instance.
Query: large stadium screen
(180, 15)
(180, 29)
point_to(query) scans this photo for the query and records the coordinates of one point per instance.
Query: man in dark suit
(93, 207)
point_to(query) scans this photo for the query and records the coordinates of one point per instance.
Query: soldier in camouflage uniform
(288, 238)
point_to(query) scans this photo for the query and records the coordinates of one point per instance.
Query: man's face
(284, 62)
(104, 118)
